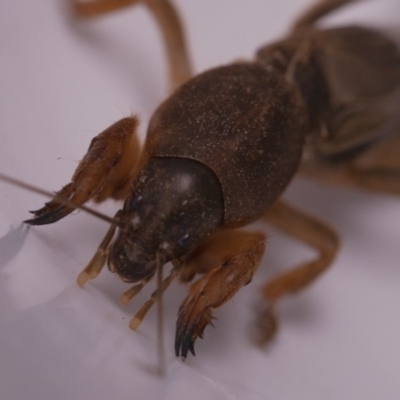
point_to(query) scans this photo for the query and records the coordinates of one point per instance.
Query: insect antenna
(35, 189)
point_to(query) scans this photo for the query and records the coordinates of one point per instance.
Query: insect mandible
(220, 151)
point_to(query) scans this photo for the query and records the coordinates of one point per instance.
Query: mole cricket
(220, 151)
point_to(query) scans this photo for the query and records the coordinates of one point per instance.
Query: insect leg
(377, 169)
(137, 319)
(231, 258)
(318, 11)
(94, 8)
(167, 19)
(314, 233)
(106, 170)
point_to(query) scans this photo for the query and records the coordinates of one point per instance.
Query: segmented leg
(94, 8)
(314, 233)
(377, 169)
(167, 19)
(229, 259)
(316, 12)
(106, 170)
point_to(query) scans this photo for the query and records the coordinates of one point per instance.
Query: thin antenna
(35, 189)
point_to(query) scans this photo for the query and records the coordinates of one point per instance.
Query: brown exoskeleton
(220, 151)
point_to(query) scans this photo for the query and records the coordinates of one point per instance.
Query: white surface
(60, 84)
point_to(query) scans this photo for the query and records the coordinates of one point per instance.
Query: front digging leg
(106, 170)
(231, 258)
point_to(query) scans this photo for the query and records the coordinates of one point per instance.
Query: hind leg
(377, 169)
(167, 19)
(322, 8)
(94, 8)
(314, 233)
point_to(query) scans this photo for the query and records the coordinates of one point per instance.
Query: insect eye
(183, 241)
(133, 203)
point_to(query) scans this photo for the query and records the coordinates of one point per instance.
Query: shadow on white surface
(12, 243)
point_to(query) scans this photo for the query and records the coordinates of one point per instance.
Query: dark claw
(45, 216)
(55, 209)
(184, 342)
(189, 327)
(49, 206)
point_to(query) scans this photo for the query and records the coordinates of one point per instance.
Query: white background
(63, 82)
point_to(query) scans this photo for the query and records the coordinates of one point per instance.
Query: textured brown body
(244, 123)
